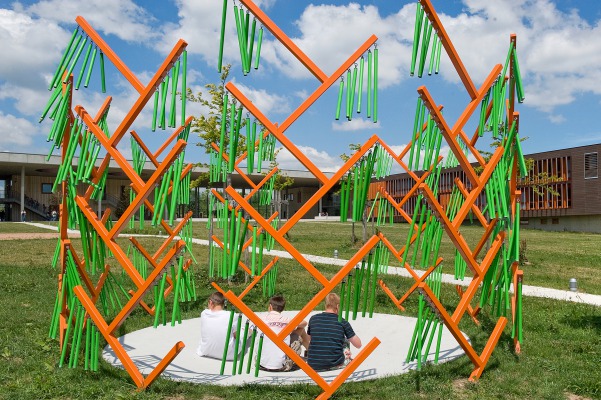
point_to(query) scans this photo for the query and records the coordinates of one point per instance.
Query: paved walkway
(527, 290)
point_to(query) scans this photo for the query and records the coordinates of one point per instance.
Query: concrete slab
(148, 346)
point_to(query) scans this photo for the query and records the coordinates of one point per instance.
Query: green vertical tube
(67, 334)
(253, 259)
(239, 30)
(250, 351)
(83, 66)
(90, 67)
(373, 283)
(223, 129)
(433, 54)
(57, 73)
(339, 104)
(367, 286)
(349, 88)
(76, 58)
(369, 82)
(341, 306)
(102, 76)
(174, 79)
(437, 68)
(237, 345)
(184, 86)
(375, 85)
(348, 296)
(259, 41)
(243, 350)
(221, 36)
(251, 45)
(360, 89)
(424, 50)
(258, 362)
(353, 85)
(416, 36)
(227, 342)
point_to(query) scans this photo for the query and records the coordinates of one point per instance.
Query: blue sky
(558, 47)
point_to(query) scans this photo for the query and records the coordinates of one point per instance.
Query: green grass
(19, 227)
(561, 353)
(553, 257)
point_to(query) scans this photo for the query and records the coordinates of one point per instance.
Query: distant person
(23, 216)
(330, 337)
(273, 359)
(2, 215)
(214, 322)
(53, 215)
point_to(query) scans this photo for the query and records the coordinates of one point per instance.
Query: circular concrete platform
(148, 346)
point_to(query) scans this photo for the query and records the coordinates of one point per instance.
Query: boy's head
(332, 302)
(277, 303)
(216, 300)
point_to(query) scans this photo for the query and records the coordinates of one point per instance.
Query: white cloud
(324, 161)
(122, 18)
(356, 124)
(16, 131)
(557, 118)
(265, 101)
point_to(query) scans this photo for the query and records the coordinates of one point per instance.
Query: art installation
(86, 303)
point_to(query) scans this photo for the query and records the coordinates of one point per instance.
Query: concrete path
(527, 290)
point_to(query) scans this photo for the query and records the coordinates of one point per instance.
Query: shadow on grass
(583, 322)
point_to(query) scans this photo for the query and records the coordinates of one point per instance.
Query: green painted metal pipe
(184, 87)
(250, 352)
(68, 60)
(259, 41)
(243, 350)
(339, 103)
(237, 345)
(227, 342)
(83, 66)
(223, 123)
(57, 73)
(437, 69)
(102, 76)
(222, 36)
(375, 85)
(174, 81)
(369, 82)
(239, 29)
(251, 45)
(90, 67)
(360, 87)
(416, 36)
(424, 50)
(259, 351)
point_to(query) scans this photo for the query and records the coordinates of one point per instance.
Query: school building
(561, 193)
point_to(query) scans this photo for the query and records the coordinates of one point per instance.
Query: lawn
(560, 356)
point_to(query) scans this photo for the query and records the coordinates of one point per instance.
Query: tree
(354, 147)
(208, 127)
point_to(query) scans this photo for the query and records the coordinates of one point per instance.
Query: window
(555, 221)
(590, 166)
(46, 188)
(543, 221)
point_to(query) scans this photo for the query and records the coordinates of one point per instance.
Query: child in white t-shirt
(214, 322)
(272, 357)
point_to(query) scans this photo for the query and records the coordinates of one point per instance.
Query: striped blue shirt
(326, 349)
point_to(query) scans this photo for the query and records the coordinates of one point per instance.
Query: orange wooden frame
(88, 294)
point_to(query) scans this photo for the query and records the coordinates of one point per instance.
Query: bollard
(573, 285)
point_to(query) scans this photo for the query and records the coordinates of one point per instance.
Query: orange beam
(327, 83)
(448, 134)
(450, 49)
(285, 40)
(329, 184)
(111, 55)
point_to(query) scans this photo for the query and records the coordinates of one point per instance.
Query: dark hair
(277, 303)
(217, 299)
